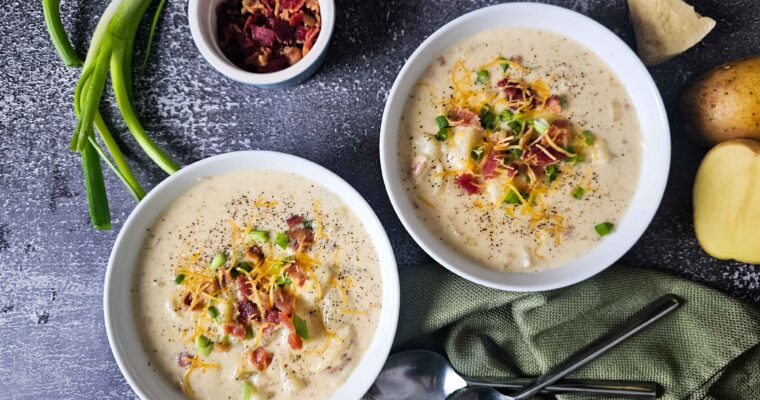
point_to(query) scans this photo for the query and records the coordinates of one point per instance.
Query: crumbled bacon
(460, 116)
(490, 165)
(188, 299)
(246, 310)
(184, 359)
(255, 254)
(294, 340)
(468, 182)
(296, 273)
(284, 301)
(267, 35)
(234, 329)
(261, 358)
(273, 316)
(244, 285)
(294, 221)
(553, 104)
(300, 239)
(542, 153)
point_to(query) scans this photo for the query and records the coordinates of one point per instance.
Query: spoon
(635, 324)
(426, 375)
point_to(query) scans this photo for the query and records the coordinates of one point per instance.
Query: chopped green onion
(588, 137)
(578, 192)
(515, 153)
(506, 115)
(512, 197)
(483, 76)
(577, 158)
(302, 329)
(604, 228)
(442, 134)
(283, 280)
(540, 125)
(308, 224)
(281, 240)
(225, 339)
(563, 101)
(487, 118)
(244, 266)
(218, 260)
(179, 278)
(247, 391)
(204, 345)
(551, 172)
(248, 332)
(504, 66)
(476, 153)
(259, 236)
(442, 122)
(214, 313)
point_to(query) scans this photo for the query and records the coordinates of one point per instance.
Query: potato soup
(520, 148)
(257, 285)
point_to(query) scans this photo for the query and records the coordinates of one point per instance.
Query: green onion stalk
(110, 51)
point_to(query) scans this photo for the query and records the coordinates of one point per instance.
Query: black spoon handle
(634, 389)
(633, 325)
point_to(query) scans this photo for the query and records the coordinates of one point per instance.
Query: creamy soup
(519, 148)
(257, 285)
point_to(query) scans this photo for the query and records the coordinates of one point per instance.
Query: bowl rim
(209, 49)
(655, 160)
(123, 336)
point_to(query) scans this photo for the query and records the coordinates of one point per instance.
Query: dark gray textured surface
(52, 263)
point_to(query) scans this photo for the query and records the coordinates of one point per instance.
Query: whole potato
(724, 103)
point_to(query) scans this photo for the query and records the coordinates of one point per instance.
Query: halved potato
(727, 201)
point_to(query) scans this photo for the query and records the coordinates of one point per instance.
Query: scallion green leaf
(218, 260)
(247, 391)
(483, 76)
(179, 279)
(588, 137)
(50, 9)
(302, 329)
(442, 134)
(442, 122)
(578, 192)
(204, 345)
(551, 172)
(259, 236)
(540, 125)
(281, 240)
(512, 197)
(604, 228)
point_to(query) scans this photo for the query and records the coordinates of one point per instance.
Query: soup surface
(257, 285)
(519, 148)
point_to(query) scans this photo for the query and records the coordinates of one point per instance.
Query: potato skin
(724, 103)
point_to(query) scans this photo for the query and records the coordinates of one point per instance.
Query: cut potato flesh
(727, 201)
(666, 28)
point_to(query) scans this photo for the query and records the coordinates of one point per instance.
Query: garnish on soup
(260, 283)
(267, 35)
(518, 144)
(503, 131)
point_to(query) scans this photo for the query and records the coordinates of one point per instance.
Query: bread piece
(666, 28)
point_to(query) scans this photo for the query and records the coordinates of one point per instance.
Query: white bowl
(119, 317)
(640, 87)
(202, 17)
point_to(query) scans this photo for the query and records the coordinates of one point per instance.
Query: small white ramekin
(202, 17)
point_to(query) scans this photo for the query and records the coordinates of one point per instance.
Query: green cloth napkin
(707, 349)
